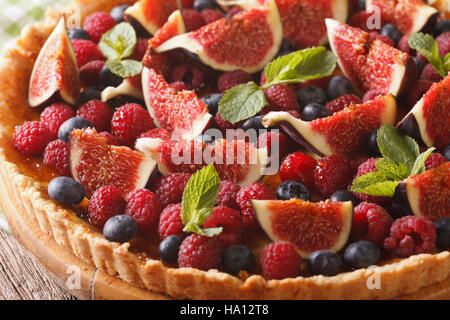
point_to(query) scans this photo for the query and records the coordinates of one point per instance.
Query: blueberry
(314, 111)
(324, 262)
(390, 30)
(362, 254)
(419, 65)
(362, 4)
(293, 189)
(344, 196)
(109, 79)
(372, 145)
(121, 228)
(66, 191)
(446, 152)
(237, 258)
(78, 34)
(168, 249)
(117, 13)
(212, 101)
(410, 127)
(88, 94)
(311, 94)
(339, 86)
(200, 5)
(71, 124)
(443, 233)
(253, 123)
(441, 27)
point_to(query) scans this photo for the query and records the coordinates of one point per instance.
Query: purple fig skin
(140, 30)
(410, 127)
(297, 137)
(411, 75)
(400, 202)
(429, 26)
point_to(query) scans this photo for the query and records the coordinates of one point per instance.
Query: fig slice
(342, 133)
(370, 65)
(236, 160)
(95, 164)
(182, 113)
(131, 87)
(55, 70)
(173, 27)
(432, 116)
(152, 14)
(246, 41)
(309, 226)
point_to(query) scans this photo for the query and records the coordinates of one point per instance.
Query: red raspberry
(55, 115)
(417, 90)
(192, 19)
(365, 168)
(97, 24)
(376, 36)
(111, 139)
(98, 113)
(188, 74)
(403, 45)
(231, 222)
(355, 163)
(370, 95)
(232, 79)
(281, 98)
(443, 41)
(342, 102)
(210, 15)
(169, 189)
(298, 166)
(331, 174)
(370, 222)
(434, 160)
(277, 139)
(280, 260)
(86, 51)
(411, 235)
(187, 3)
(31, 138)
(359, 20)
(145, 208)
(170, 221)
(295, 114)
(129, 121)
(156, 133)
(56, 155)
(106, 202)
(90, 73)
(200, 252)
(227, 194)
(225, 125)
(254, 191)
(179, 86)
(140, 50)
(430, 74)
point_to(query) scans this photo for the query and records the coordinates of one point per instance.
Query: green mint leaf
(447, 62)
(209, 232)
(125, 68)
(392, 170)
(419, 164)
(397, 147)
(374, 183)
(119, 42)
(242, 102)
(300, 66)
(427, 46)
(199, 198)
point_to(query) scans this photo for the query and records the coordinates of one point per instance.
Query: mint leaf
(374, 183)
(124, 68)
(242, 102)
(427, 46)
(392, 170)
(199, 198)
(119, 42)
(447, 62)
(419, 164)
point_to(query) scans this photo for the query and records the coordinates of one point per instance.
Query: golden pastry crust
(29, 197)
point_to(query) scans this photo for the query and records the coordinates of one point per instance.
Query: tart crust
(73, 234)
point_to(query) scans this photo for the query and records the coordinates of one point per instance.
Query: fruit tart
(251, 149)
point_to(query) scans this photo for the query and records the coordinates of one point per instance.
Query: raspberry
(295, 114)
(169, 189)
(145, 208)
(355, 163)
(140, 49)
(90, 73)
(170, 222)
(376, 36)
(417, 90)
(403, 45)
(231, 222)
(97, 24)
(370, 222)
(156, 133)
(56, 155)
(434, 160)
(179, 86)
(281, 98)
(86, 51)
(31, 138)
(129, 121)
(254, 191)
(55, 115)
(359, 20)
(200, 252)
(210, 15)
(98, 113)
(430, 74)
(188, 74)
(331, 174)
(227, 194)
(106, 202)
(223, 124)
(232, 79)
(111, 139)
(411, 235)
(370, 95)
(192, 19)
(273, 139)
(280, 260)
(187, 3)
(298, 166)
(443, 42)
(342, 102)
(364, 168)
